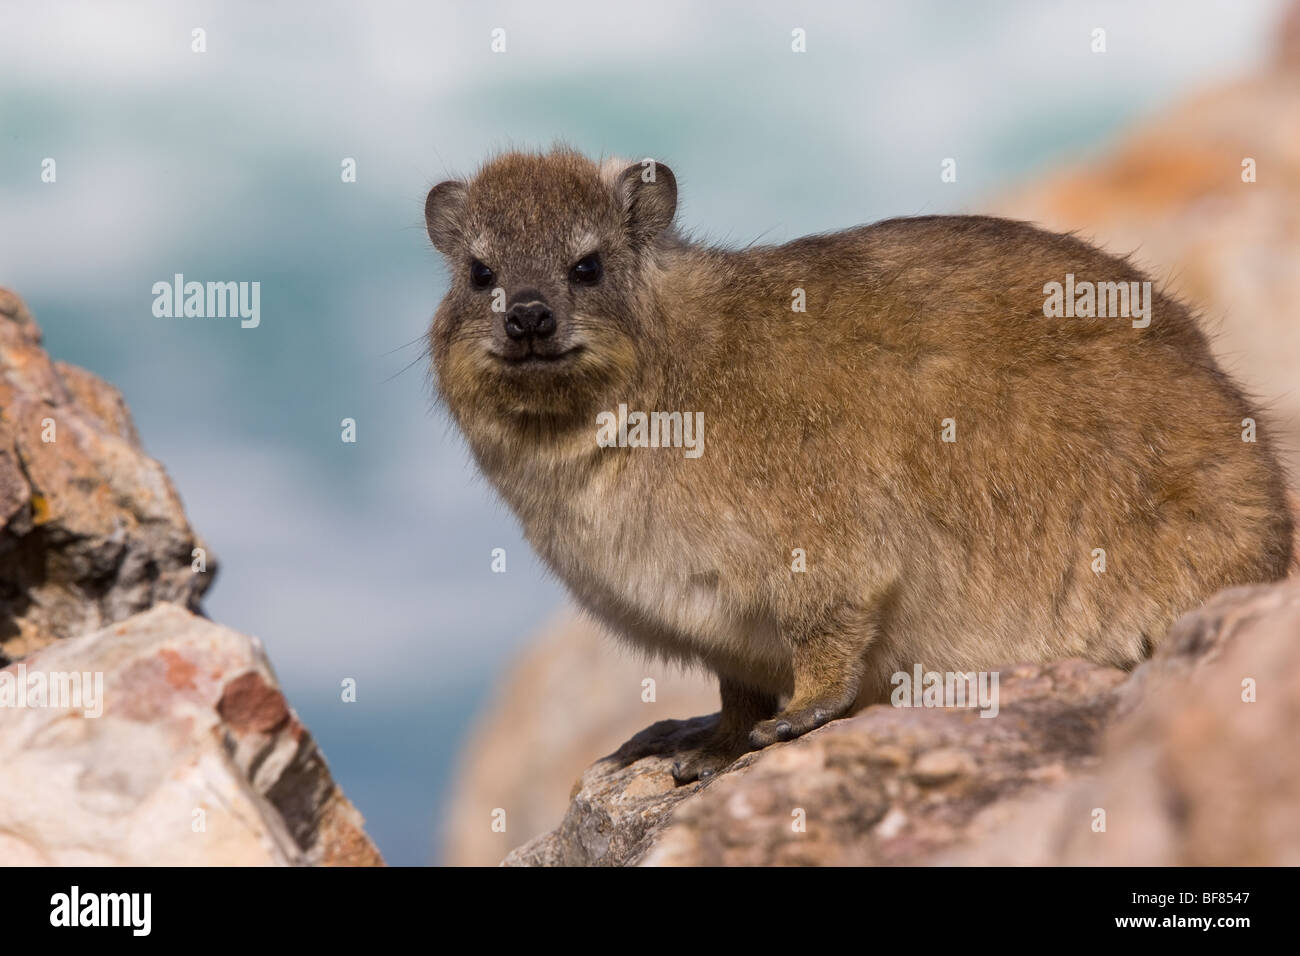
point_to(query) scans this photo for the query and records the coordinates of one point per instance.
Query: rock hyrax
(814, 465)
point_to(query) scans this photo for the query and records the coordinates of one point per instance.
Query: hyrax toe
(698, 767)
(714, 756)
(793, 722)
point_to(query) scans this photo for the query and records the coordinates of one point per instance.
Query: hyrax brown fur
(829, 440)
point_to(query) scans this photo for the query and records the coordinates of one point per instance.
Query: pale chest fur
(617, 547)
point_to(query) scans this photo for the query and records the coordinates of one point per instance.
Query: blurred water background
(372, 560)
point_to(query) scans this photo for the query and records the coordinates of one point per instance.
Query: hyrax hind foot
(742, 707)
(716, 754)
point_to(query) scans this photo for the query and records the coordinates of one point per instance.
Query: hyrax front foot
(827, 673)
(797, 720)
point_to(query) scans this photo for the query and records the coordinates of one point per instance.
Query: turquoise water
(371, 560)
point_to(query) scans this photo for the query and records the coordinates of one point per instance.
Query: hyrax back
(903, 460)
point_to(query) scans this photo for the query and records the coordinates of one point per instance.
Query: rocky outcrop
(132, 732)
(540, 732)
(1201, 766)
(881, 787)
(1187, 760)
(91, 529)
(174, 746)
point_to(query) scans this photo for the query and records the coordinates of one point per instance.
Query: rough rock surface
(1188, 772)
(881, 787)
(91, 529)
(571, 696)
(190, 755)
(1192, 773)
(196, 758)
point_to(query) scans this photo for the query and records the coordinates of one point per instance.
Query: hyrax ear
(442, 214)
(648, 192)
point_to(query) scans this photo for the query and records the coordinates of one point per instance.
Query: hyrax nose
(530, 317)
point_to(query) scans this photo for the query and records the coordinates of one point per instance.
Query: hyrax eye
(480, 276)
(586, 270)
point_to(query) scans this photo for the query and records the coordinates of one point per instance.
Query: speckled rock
(885, 786)
(132, 732)
(91, 529)
(1191, 760)
(1201, 767)
(179, 750)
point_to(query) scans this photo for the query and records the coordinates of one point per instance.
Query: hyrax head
(551, 260)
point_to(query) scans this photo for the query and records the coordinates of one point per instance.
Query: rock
(1186, 770)
(573, 695)
(884, 786)
(940, 766)
(1192, 773)
(196, 758)
(132, 732)
(91, 529)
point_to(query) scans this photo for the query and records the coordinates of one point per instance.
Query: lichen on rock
(91, 528)
(132, 730)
